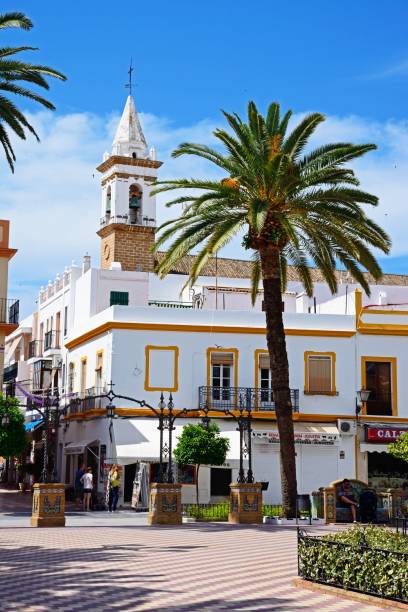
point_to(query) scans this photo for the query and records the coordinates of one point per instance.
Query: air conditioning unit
(56, 362)
(347, 428)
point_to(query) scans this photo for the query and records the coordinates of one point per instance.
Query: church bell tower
(128, 211)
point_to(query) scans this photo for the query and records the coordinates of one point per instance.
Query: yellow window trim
(257, 353)
(394, 386)
(234, 351)
(100, 368)
(151, 347)
(330, 354)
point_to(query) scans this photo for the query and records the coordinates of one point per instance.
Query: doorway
(130, 474)
(220, 482)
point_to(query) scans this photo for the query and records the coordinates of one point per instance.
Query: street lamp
(361, 398)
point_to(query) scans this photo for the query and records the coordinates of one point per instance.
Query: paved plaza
(179, 569)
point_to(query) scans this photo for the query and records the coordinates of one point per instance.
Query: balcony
(79, 403)
(41, 375)
(51, 340)
(35, 349)
(230, 398)
(9, 311)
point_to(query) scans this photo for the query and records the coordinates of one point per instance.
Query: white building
(119, 322)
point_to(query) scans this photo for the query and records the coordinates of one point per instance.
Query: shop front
(322, 455)
(383, 470)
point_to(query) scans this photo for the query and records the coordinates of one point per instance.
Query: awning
(78, 448)
(32, 424)
(373, 448)
(324, 435)
(11, 349)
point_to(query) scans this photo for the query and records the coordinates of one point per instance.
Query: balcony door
(221, 375)
(378, 376)
(265, 381)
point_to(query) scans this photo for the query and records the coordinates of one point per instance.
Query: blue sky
(348, 60)
(191, 58)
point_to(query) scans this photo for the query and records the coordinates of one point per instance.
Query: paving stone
(194, 567)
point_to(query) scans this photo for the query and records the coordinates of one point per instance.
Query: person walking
(87, 481)
(114, 484)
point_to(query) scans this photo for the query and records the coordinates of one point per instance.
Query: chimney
(86, 263)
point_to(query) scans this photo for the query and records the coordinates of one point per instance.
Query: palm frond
(15, 20)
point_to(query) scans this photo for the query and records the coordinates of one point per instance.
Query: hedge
(370, 560)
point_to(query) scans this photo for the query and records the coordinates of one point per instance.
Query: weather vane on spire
(129, 85)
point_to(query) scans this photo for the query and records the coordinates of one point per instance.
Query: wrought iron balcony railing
(9, 311)
(231, 398)
(35, 349)
(78, 403)
(169, 304)
(51, 340)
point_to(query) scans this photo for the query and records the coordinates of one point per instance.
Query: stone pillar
(48, 505)
(165, 504)
(245, 503)
(329, 504)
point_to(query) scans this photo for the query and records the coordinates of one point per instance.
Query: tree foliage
(13, 439)
(14, 75)
(199, 445)
(399, 448)
(294, 205)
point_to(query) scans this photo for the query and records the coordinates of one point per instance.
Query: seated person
(347, 499)
(404, 500)
(368, 505)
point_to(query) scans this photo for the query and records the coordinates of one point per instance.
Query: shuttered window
(319, 374)
(119, 298)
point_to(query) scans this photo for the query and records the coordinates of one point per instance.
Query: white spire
(129, 137)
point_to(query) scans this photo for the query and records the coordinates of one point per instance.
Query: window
(119, 298)
(63, 378)
(98, 371)
(265, 378)
(57, 329)
(221, 374)
(83, 374)
(379, 376)
(320, 373)
(65, 320)
(71, 377)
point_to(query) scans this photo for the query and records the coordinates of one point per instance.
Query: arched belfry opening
(135, 204)
(108, 202)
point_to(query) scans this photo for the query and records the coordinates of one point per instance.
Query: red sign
(383, 434)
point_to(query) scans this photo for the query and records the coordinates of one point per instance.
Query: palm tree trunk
(275, 336)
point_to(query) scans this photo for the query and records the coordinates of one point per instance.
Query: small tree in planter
(399, 448)
(13, 438)
(199, 445)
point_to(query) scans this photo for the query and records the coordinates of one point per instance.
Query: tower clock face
(106, 251)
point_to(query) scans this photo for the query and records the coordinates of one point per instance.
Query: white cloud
(53, 199)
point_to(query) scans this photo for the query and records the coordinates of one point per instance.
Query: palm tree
(294, 207)
(12, 73)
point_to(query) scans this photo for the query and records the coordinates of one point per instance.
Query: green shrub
(371, 560)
